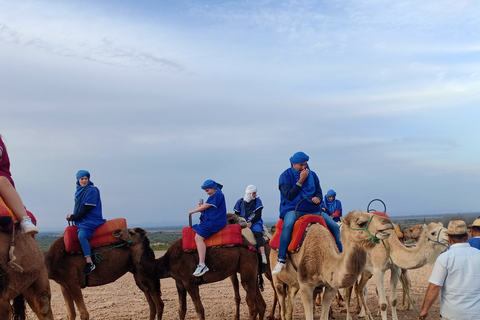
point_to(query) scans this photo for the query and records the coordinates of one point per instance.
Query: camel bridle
(372, 238)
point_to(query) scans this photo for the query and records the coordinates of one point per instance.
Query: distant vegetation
(161, 239)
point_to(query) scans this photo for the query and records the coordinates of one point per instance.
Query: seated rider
(87, 215)
(10, 195)
(250, 207)
(212, 220)
(332, 206)
(297, 183)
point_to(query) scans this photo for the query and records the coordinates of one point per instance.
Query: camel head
(413, 232)
(364, 228)
(129, 234)
(232, 218)
(437, 235)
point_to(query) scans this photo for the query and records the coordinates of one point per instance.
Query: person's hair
(456, 238)
(476, 229)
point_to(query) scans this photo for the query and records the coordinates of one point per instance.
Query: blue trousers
(82, 237)
(289, 221)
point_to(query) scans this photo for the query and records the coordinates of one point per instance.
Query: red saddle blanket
(231, 234)
(6, 212)
(102, 235)
(298, 232)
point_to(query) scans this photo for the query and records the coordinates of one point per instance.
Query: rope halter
(372, 238)
(438, 239)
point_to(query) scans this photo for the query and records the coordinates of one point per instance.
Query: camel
(179, 264)
(433, 241)
(23, 276)
(413, 232)
(66, 269)
(319, 264)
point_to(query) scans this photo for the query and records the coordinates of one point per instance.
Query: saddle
(299, 231)
(7, 225)
(230, 235)
(102, 235)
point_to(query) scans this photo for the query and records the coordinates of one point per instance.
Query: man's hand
(315, 199)
(303, 175)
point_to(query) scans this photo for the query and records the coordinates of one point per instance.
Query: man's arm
(431, 295)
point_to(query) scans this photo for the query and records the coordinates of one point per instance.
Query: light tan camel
(319, 264)
(433, 241)
(23, 275)
(179, 264)
(413, 232)
(66, 269)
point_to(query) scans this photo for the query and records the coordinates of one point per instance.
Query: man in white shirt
(456, 277)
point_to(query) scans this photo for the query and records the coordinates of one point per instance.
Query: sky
(155, 97)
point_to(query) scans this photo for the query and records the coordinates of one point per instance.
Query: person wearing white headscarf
(250, 207)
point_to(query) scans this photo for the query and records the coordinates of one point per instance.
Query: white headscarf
(248, 193)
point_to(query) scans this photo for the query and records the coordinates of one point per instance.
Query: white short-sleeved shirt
(457, 271)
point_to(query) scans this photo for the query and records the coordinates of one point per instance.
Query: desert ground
(122, 300)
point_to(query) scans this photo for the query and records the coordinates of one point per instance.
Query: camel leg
(5, 309)
(194, 293)
(68, 303)
(328, 298)
(306, 294)
(407, 283)
(38, 297)
(275, 300)
(151, 290)
(393, 291)
(382, 298)
(348, 296)
(253, 297)
(182, 300)
(361, 291)
(290, 302)
(236, 290)
(76, 294)
(280, 287)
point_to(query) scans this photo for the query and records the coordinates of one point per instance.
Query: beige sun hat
(475, 223)
(456, 227)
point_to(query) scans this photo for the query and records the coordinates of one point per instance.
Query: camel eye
(362, 224)
(433, 233)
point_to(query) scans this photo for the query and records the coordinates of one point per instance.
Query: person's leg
(202, 250)
(334, 229)
(87, 252)
(286, 236)
(260, 245)
(13, 201)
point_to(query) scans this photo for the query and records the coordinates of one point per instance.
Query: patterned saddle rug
(102, 235)
(299, 231)
(231, 234)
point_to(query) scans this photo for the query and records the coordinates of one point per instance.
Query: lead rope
(372, 237)
(11, 255)
(96, 255)
(401, 281)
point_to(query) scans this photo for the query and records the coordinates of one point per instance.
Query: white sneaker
(27, 226)
(278, 267)
(200, 271)
(264, 259)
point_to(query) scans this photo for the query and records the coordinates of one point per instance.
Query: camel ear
(141, 232)
(424, 227)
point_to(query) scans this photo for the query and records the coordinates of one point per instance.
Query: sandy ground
(123, 300)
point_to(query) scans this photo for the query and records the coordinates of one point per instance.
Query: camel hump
(102, 235)
(231, 234)
(299, 231)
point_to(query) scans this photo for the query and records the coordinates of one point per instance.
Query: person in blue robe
(212, 220)
(87, 215)
(295, 184)
(250, 207)
(332, 206)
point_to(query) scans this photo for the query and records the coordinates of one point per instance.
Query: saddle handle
(190, 220)
(319, 207)
(384, 206)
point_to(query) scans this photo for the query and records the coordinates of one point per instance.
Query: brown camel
(179, 264)
(319, 264)
(433, 241)
(23, 275)
(66, 269)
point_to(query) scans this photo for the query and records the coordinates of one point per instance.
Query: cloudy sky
(155, 97)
